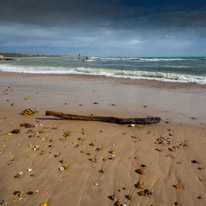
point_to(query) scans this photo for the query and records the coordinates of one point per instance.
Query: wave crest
(172, 77)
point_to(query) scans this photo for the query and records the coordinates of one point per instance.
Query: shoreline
(101, 78)
(175, 102)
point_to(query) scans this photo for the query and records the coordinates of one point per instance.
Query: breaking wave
(160, 76)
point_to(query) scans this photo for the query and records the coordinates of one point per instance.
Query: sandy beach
(52, 162)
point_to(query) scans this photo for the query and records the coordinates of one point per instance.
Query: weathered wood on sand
(148, 120)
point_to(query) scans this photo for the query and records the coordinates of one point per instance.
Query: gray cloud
(129, 28)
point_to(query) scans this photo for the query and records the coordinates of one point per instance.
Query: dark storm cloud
(104, 27)
(45, 12)
(58, 12)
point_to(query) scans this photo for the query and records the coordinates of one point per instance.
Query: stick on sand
(148, 120)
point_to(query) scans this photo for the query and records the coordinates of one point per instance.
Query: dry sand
(84, 163)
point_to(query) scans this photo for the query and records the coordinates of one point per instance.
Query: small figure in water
(86, 58)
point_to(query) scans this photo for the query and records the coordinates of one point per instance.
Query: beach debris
(129, 197)
(28, 111)
(140, 171)
(180, 145)
(83, 151)
(91, 144)
(132, 125)
(148, 120)
(112, 152)
(117, 203)
(15, 131)
(16, 192)
(65, 166)
(83, 132)
(29, 169)
(95, 103)
(113, 197)
(43, 204)
(195, 162)
(178, 186)
(27, 125)
(78, 145)
(2, 202)
(112, 156)
(140, 185)
(61, 168)
(66, 134)
(199, 197)
(9, 134)
(102, 171)
(32, 175)
(98, 149)
(29, 192)
(200, 168)
(200, 179)
(105, 159)
(163, 141)
(145, 192)
(94, 160)
(19, 175)
(176, 203)
(36, 147)
(169, 155)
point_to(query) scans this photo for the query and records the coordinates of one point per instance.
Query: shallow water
(176, 69)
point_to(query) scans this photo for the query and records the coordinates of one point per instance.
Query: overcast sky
(104, 27)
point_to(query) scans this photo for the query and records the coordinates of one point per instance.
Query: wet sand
(84, 163)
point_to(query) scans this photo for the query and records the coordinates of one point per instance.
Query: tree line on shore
(25, 55)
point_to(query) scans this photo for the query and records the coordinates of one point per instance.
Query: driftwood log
(148, 120)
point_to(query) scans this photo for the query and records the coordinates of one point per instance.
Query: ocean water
(175, 69)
